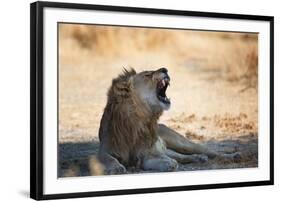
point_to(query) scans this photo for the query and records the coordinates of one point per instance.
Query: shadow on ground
(79, 159)
(75, 158)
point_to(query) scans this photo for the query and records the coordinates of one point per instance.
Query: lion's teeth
(167, 81)
(163, 82)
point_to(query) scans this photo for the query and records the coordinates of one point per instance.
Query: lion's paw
(172, 165)
(116, 169)
(236, 157)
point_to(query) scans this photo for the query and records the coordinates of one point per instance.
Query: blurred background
(214, 87)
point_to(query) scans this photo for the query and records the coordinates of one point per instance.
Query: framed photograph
(129, 100)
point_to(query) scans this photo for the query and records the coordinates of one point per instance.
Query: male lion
(129, 133)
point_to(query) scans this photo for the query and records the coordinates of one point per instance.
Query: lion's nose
(163, 70)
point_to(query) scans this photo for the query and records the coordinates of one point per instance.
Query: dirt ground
(213, 89)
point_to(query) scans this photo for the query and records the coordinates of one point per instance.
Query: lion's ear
(122, 85)
(122, 88)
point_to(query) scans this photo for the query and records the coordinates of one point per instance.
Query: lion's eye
(147, 75)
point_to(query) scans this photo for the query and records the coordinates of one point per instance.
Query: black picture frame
(37, 99)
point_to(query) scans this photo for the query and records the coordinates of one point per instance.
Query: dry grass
(234, 56)
(213, 88)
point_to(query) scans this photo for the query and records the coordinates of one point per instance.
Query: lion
(129, 133)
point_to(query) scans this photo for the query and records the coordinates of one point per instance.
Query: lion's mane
(128, 126)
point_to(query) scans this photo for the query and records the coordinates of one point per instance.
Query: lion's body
(129, 133)
(127, 124)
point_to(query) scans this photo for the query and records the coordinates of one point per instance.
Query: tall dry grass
(116, 41)
(233, 56)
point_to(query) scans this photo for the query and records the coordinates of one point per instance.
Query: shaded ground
(213, 90)
(77, 159)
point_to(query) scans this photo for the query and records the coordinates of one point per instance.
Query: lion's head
(151, 87)
(147, 88)
(135, 102)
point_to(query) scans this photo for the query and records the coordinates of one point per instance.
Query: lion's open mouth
(162, 86)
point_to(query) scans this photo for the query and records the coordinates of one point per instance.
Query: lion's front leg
(157, 160)
(111, 164)
(161, 163)
(178, 143)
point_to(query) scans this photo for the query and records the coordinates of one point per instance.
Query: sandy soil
(214, 100)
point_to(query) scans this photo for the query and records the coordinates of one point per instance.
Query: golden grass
(233, 55)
